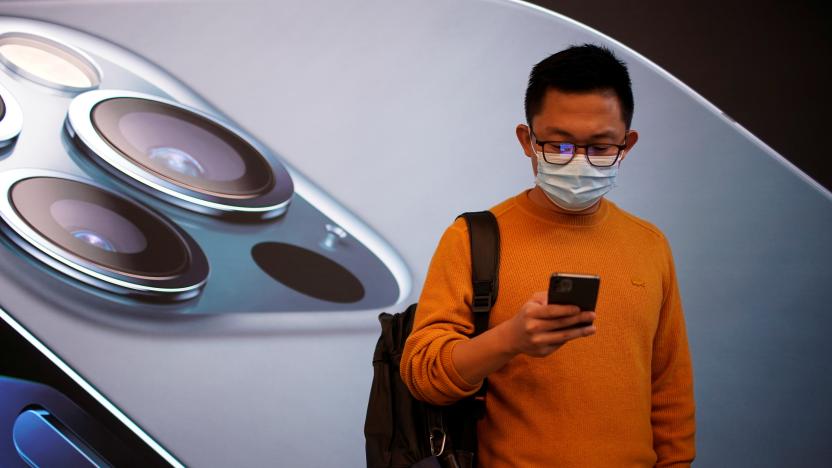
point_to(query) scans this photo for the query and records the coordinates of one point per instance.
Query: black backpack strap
(484, 235)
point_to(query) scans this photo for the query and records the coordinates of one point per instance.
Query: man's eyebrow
(563, 133)
(556, 131)
(607, 134)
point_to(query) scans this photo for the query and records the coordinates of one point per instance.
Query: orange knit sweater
(620, 398)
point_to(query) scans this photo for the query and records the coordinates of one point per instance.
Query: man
(615, 393)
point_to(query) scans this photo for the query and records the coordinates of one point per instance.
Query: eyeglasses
(598, 154)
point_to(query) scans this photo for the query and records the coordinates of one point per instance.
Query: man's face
(582, 118)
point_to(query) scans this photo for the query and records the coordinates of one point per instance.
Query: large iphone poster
(204, 207)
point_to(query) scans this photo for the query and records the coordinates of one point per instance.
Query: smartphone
(574, 289)
(51, 416)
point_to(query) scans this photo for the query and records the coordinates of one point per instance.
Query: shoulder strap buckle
(483, 298)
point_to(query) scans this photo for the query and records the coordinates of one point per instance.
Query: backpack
(401, 431)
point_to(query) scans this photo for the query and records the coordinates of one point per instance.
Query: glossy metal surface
(12, 119)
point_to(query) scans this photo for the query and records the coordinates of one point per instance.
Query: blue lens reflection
(94, 239)
(177, 160)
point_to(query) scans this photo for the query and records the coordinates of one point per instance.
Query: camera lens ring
(87, 74)
(267, 201)
(187, 271)
(11, 118)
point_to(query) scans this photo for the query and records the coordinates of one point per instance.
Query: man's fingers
(538, 325)
(555, 324)
(554, 311)
(562, 336)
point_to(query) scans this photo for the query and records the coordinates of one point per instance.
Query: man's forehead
(601, 100)
(597, 113)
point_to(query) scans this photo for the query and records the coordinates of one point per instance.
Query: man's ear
(632, 138)
(522, 132)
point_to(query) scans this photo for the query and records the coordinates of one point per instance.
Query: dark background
(765, 63)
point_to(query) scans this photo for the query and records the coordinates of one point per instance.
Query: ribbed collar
(549, 215)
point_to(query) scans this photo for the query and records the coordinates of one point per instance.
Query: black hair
(580, 69)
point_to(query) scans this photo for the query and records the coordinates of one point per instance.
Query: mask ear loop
(623, 152)
(531, 143)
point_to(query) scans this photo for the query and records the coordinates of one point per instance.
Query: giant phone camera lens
(48, 62)
(100, 237)
(183, 148)
(179, 154)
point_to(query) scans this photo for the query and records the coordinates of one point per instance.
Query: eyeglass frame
(575, 147)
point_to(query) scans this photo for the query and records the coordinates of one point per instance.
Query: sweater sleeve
(443, 319)
(673, 405)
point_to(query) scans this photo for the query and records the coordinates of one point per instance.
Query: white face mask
(577, 185)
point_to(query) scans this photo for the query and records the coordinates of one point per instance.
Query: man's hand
(535, 329)
(532, 331)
